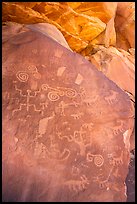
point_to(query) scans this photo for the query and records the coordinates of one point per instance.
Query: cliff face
(61, 114)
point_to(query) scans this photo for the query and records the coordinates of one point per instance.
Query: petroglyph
(71, 93)
(43, 124)
(82, 93)
(32, 68)
(60, 71)
(53, 96)
(115, 161)
(75, 171)
(88, 126)
(76, 116)
(62, 106)
(22, 76)
(56, 93)
(57, 155)
(6, 95)
(104, 184)
(77, 185)
(40, 150)
(112, 98)
(90, 101)
(79, 79)
(44, 87)
(36, 75)
(34, 51)
(68, 137)
(79, 137)
(27, 97)
(96, 158)
(119, 128)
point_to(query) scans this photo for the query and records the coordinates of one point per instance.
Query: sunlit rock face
(125, 25)
(66, 126)
(83, 24)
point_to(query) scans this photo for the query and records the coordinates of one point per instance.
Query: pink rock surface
(66, 126)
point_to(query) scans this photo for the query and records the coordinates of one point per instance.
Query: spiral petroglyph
(98, 160)
(53, 96)
(44, 87)
(71, 93)
(22, 76)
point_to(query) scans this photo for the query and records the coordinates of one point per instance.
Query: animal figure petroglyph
(77, 185)
(62, 106)
(88, 126)
(112, 97)
(119, 128)
(115, 161)
(76, 116)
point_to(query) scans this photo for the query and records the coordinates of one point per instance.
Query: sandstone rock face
(125, 25)
(117, 64)
(81, 23)
(66, 126)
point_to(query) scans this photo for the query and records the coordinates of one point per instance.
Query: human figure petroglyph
(77, 185)
(35, 75)
(96, 158)
(27, 104)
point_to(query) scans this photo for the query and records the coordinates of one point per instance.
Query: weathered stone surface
(117, 64)
(80, 23)
(125, 25)
(66, 126)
